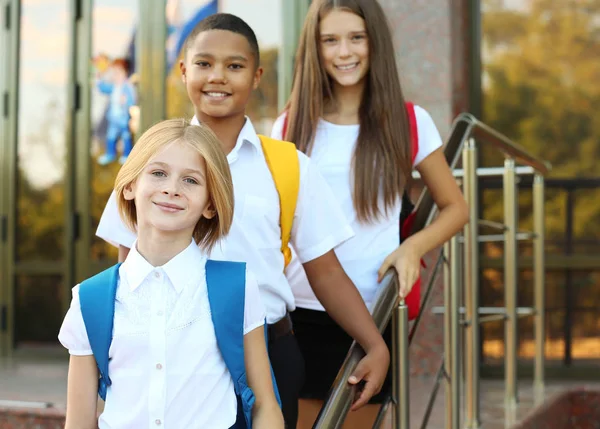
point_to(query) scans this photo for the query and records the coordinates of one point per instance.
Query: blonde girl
(165, 366)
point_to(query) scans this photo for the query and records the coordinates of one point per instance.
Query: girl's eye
(358, 37)
(329, 40)
(158, 173)
(191, 180)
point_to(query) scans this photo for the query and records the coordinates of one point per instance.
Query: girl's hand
(407, 261)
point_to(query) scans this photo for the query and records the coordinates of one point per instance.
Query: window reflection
(38, 308)
(113, 109)
(41, 139)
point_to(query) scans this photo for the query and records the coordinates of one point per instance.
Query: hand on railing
(372, 371)
(406, 259)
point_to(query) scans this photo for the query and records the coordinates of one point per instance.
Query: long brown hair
(382, 162)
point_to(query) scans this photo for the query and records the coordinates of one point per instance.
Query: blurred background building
(529, 68)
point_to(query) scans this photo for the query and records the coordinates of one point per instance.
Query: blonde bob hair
(218, 176)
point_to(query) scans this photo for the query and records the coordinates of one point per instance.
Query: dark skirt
(324, 346)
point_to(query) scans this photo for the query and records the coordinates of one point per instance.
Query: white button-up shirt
(362, 255)
(165, 365)
(255, 237)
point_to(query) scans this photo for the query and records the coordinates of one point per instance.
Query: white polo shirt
(165, 365)
(362, 255)
(319, 225)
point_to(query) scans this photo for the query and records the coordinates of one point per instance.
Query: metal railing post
(400, 372)
(339, 399)
(471, 287)
(451, 332)
(539, 282)
(455, 330)
(448, 356)
(510, 283)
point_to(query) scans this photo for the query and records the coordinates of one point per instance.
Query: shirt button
(158, 366)
(156, 274)
(158, 422)
(160, 313)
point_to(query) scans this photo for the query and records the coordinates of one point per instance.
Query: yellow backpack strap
(282, 159)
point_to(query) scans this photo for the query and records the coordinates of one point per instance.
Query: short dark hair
(227, 22)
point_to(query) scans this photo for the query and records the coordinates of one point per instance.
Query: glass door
(35, 272)
(106, 134)
(9, 45)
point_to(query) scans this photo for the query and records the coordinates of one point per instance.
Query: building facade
(53, 187)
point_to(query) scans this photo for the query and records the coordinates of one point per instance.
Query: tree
(541, 87)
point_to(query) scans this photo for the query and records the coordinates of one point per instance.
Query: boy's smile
(220, 73)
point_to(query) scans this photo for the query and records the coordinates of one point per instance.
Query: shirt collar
(178, 270)
(247, 134)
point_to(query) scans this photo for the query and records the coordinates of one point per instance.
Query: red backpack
(407, 213)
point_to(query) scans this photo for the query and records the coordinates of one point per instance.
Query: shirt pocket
(260, 221)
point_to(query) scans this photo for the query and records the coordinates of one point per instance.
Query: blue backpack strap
(97, 301)
(226, 283)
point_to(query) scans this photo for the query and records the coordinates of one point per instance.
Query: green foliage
(541, 88)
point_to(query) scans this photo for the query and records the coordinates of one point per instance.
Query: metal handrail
(339, 399)
(487, 134)
(485, 172)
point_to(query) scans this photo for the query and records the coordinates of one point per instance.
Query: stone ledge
(32, 418)
(574, 409)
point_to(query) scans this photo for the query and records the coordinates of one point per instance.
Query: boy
(220, 70)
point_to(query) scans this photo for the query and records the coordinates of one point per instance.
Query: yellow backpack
(282, 159)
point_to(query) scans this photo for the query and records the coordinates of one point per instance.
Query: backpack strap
(97, 301)
(226, 283)
(414, 130)
(282, 159)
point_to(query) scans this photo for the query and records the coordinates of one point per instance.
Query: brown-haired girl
(165, 366)
(347, 111)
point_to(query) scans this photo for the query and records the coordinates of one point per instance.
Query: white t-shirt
(362, 255)
(165, 366)
(255, 237)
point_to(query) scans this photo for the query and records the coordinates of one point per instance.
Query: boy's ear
(129, 191)
(257, 76)
(183, 70)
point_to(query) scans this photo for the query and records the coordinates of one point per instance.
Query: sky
(44, 66)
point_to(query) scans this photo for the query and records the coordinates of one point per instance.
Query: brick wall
(432, 46)
(422, 38)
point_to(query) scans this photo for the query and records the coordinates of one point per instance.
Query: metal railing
(460, 257)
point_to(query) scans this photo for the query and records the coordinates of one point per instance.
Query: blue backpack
(226, 282)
